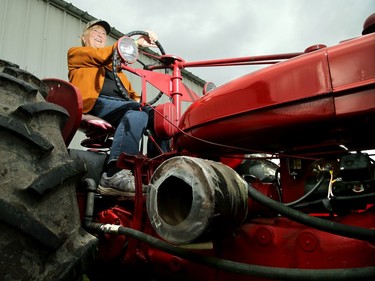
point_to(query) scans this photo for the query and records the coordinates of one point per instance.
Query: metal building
(36, 35)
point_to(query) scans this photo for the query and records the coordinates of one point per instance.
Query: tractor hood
(295, 105)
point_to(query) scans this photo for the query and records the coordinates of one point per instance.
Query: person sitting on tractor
(90, 70)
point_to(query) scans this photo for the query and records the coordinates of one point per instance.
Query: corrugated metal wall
(36, 35)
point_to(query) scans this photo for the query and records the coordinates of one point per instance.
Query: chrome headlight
(208, 87)
(127, 49)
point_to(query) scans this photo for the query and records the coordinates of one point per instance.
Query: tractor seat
(97, 131)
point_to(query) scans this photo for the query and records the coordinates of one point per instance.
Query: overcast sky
(212, 29)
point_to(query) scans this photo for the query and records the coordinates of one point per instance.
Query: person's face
(96, 37)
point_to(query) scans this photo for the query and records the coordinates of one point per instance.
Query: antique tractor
(270, 176)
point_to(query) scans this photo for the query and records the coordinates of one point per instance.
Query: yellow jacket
(86, 66)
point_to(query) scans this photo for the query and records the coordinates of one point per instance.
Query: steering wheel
(116, 62)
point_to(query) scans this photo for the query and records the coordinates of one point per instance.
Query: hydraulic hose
(365, 273)
(90, 198)
(345, 230)
(317, 185)
(358, 198)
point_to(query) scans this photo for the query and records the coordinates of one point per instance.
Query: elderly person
(90, 69)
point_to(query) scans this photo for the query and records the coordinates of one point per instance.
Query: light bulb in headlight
(127, 49)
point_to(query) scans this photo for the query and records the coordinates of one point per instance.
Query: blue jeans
(128, 119)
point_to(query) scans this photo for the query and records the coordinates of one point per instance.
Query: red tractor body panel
(290, 105)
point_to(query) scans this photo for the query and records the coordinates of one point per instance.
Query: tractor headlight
(208, 87)
(127, 49)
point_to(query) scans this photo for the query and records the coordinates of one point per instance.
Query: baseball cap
(103, 23)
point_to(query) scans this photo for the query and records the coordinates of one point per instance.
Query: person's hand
(147, 41)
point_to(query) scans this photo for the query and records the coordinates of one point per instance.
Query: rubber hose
(317, 185)
(364, 273)
(358, 197)
(318, 223)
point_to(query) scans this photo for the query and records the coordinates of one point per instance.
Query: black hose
(89, 212)
(365, 273)
(318, 223)
(317, 185)
(356, 198)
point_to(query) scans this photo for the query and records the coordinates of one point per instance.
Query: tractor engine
(331, 185)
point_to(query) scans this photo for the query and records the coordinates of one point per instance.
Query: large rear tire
(40, 230)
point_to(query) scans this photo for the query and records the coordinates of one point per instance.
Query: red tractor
(270, 176)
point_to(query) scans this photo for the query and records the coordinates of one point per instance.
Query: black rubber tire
(41, 237)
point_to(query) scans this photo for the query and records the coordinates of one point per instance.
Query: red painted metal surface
(316, 89)
(69, 97)
(272, 242)
(279, 242)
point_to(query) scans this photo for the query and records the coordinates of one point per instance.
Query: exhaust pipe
(193, 200)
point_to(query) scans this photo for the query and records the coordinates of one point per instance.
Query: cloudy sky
(211, 29)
